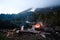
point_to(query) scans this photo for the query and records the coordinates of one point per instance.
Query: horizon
(29, 10)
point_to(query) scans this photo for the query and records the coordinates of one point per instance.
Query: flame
(38, 25)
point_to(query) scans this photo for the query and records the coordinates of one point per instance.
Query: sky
(16, 6)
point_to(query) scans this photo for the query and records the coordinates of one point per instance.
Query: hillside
(19, 19)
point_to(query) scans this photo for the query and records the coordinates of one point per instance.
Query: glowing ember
(37, 25)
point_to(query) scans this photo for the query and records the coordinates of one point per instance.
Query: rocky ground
(29, 36)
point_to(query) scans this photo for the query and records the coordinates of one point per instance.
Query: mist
(16, 6)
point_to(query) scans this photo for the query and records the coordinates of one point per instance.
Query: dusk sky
(16, 6)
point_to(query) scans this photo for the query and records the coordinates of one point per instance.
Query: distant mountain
(23, 15)
(14, 19)
(47, 9)
(14, 16)
(20, 18)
